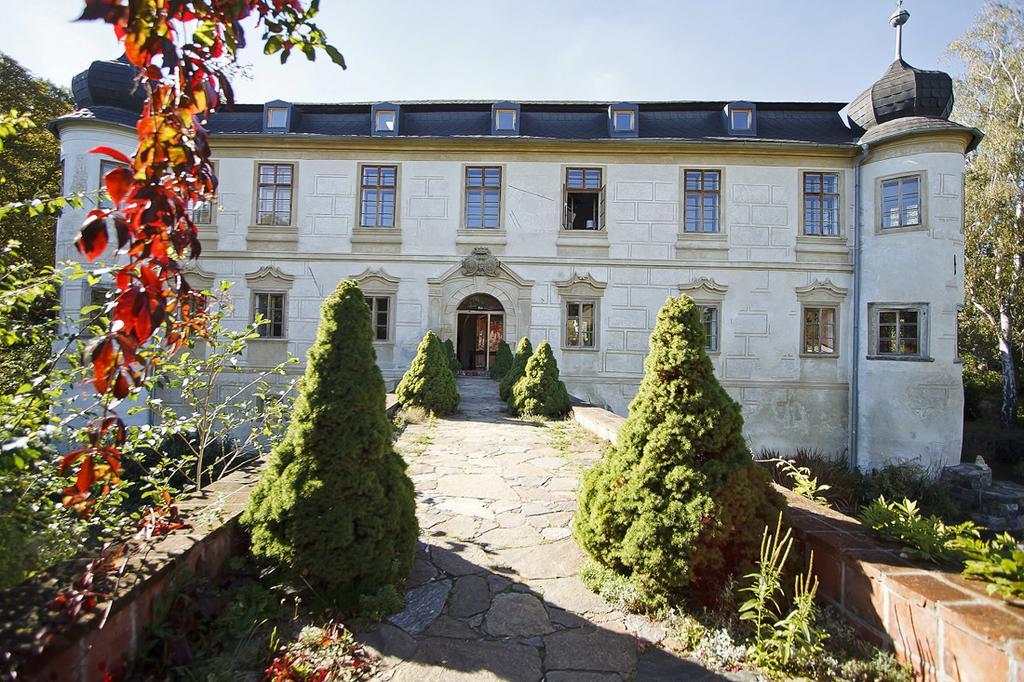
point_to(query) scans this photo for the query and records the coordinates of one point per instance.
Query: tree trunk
(1005, 335)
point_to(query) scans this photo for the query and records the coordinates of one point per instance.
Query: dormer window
(277, 117)
(622, 120)
(740, 118)
(505, 119)
(384, 119)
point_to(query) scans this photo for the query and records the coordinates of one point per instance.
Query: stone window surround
(375, 282)
(801, 235)
(712, 346)
(922, 226)
(601, 233)
(923, 332)
(696, 237)
(256, 293)
(482, 236)
(580, 289)
(804, 353)
(269, 280)
(821, 294)
(705, 291)
(254, 224)
(358, 228)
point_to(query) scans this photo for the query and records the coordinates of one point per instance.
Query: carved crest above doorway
(480, 263)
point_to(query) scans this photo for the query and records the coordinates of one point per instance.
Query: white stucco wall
(756, 267)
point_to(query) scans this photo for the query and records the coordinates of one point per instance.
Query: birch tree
(990, 96)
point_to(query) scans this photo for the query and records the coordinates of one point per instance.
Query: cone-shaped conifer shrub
(539, 392)
(334, 504)
(502, 361)
(523, 352)
(677, 504)
(429, 382)
(453, 360)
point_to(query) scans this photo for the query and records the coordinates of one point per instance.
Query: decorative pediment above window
(819, 291)
(376, 281)
(704, 289)
(581, 286)
(480, 262)
(199, 279)
(269, 278)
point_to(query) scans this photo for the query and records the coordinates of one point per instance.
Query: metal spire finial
(898, 18)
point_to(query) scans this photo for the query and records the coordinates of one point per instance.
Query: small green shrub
(453, 359)
(913, 481)
(923, 537)
(502, 361)
(614, 588)
(844, 483)
(334, 506)
(677, 504)
(1000, 562)
(802, 482)
(540, 392)
(523, 352)
(429, 382)
(782, 643)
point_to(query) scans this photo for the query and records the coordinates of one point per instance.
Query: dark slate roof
(911, 125)
(903, 91)
(108, 83)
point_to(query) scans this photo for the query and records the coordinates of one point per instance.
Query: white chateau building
(827, 251)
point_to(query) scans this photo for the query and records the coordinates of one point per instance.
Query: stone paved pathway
(494, 594)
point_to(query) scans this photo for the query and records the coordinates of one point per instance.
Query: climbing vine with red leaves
(181, 49)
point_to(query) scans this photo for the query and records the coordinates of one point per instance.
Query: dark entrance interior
(480, 330)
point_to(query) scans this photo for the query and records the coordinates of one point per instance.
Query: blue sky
(813, 50)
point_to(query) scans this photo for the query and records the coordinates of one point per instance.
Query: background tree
(540, 392)
(990, 96)
(523, 352)
(429, 381)
(453, 359)
(30, 164)
(677, 505)
(334, 504)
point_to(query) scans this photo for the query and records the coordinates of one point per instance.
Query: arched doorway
(481, 328)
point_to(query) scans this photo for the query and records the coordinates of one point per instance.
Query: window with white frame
(819, 330)
(709, 318)
(741, 119)
(483, 196)
(270, 307)
(385, 120)
(623, 120)
(580, 320)
(702, 191)
(380, 316)
(901, 202)
(377, 188)
(96, 305)
(505, 119)
(274, 194)
(899, 330)
(821, 204)
(277, 117)
(584, 199)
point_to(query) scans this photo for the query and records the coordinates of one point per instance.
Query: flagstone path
(494, 594)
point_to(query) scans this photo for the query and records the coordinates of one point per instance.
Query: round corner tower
(907, 381)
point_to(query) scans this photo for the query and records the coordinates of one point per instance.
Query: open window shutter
(600, 209)
(566, 220)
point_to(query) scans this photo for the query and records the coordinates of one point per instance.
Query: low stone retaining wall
(112, 631)
(944, 625)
